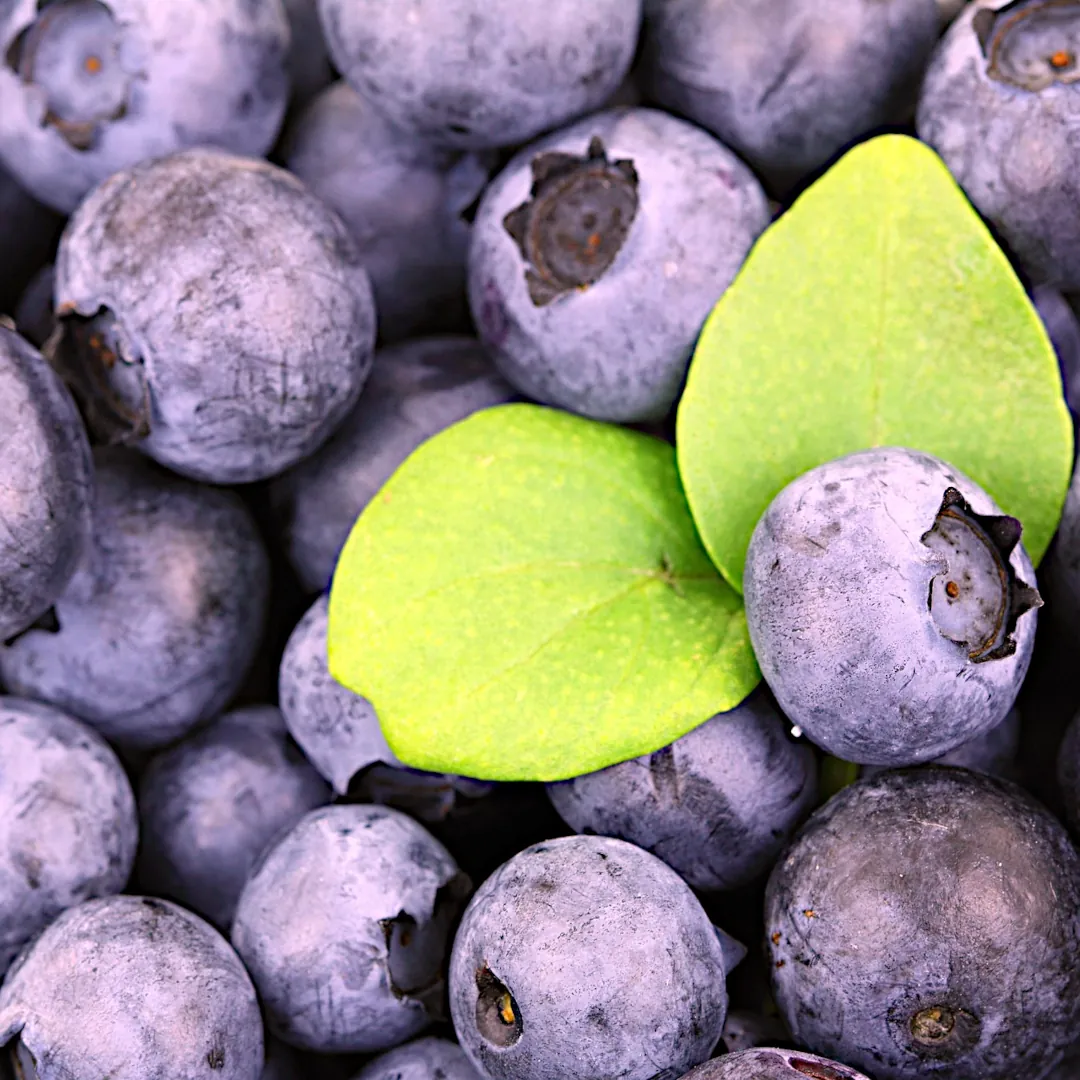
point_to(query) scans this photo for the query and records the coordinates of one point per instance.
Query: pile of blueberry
(253, 253)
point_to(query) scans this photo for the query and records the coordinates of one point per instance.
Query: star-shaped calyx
(576, 220)
(977, 600)
(1031, 44)
(71, 55)
(96, 361)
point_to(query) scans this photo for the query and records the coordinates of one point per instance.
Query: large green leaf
(528, 599)
(877, 311)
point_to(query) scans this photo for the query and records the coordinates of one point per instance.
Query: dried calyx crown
(977, 600)
(575, 221)
(1030, 44)
(70, 53)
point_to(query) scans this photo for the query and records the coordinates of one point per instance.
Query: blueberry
(597, 254)
(994, 751)
(744, 1029)
(46, 485)
(35, 318)
(308, 62)
(282, 1062)
(211, 803)
(340, 734)
(90, 87)
(888, 604)
(337, 729)
(949, 9)
(1059, 573)
(768, 1063)
(926, 922)
(69, 826)
(131, 988)
(1000, 105)
(415, 390)
(423, 1059)
(482, 73)
(584, 958)
(215, 315)
(1069, 1067)
(432, 798)
(403, 201)
(716, 805)
(788, 83)
(1063, 329)
(1068, 773)
(160, 623)
(343, 925)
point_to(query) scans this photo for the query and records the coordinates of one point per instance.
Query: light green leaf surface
(527, 599)
(878, 311)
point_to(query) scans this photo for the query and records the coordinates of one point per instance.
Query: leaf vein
(577, 617)
(655, 573)
(726, 641)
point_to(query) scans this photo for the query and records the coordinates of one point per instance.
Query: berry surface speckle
(539, 541)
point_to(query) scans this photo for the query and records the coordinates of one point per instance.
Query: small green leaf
(528, 599)
(835, 775)
(877, 311)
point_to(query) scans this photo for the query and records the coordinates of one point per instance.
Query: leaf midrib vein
(653, 573)
(725, 643)
(686, 539)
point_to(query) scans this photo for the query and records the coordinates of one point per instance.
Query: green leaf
(877, 311)
(835, 775)
(528, 599)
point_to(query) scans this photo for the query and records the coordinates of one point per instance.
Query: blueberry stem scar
(576, 220)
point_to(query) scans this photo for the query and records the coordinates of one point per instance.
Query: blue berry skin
(745, 1029)
(584, 958)
(889, 625)
(768, 1063)
(1069, 1067)
(69, 828)
(344, 925)
(402, 199)
(131, 988)
(46, 485)
(994, 752)
(1068, 774)
(473, 74)
(161, 621)
(209, 805)
(35, 319)
(91, 87)
(1059, 572)
(216, 315)
(432, 798)
(337, 729)
(616, 349)
(428, 1058)
(717, 805)
(415, 390)
(308, 62)
(788, 83)
(282, 1062)
(1063, 329)
(926, 922)
(1005, 130)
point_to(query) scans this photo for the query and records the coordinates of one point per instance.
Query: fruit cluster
(538, 543)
